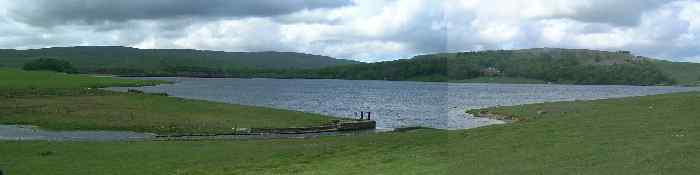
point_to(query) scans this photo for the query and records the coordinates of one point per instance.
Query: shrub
(135, 91)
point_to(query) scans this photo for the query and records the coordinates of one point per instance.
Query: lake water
(393, 104)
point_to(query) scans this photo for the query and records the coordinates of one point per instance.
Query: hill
(126, 60)
(568, 66)
(543, 65)
(684, 73)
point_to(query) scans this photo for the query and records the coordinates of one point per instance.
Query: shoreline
(494, 116)
(16, 132)
(417, 81)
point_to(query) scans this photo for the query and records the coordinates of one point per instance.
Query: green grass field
(13, 79)
(418, 153)
(64, 102)
(640, 135)
(145, 113)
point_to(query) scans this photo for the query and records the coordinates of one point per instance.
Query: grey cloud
(596, 28)
(284, 25)
(646, 27)
(425, 32)
(53, 12)
(613, 12)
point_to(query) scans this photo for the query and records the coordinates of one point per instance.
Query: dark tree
(50, 64)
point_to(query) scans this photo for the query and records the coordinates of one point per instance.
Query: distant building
(624, 52)
(491, 71)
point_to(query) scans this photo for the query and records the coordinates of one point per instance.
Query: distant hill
(683, 72)
(566, 66)
(125, 60)
(570, 66)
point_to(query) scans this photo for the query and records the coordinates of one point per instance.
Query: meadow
(637, 135)
(15, 80)
(570, 138)
(59, 101)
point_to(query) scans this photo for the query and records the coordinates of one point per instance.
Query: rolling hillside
(566, 66)
(117, 59)
(683, 72)
(569, 66)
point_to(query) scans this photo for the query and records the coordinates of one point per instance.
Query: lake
(393, 104)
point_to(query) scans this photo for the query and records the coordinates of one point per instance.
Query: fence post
(369, 115)
(362, 115)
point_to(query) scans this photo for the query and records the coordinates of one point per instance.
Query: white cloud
(377, 30)
(251, 34)
(369, 31)
(664, 29)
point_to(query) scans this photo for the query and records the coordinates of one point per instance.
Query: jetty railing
(362, 115)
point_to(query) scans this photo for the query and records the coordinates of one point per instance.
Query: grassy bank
(391, 153)
(642, 135)
(13, 79)
(639, 135)
(91, 110)
(70, 102)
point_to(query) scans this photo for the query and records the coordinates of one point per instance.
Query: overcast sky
(365, 30)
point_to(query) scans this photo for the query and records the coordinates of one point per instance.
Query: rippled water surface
(393, 104)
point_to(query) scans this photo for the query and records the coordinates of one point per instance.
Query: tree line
(436, 67)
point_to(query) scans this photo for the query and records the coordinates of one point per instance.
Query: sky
(363, 30)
